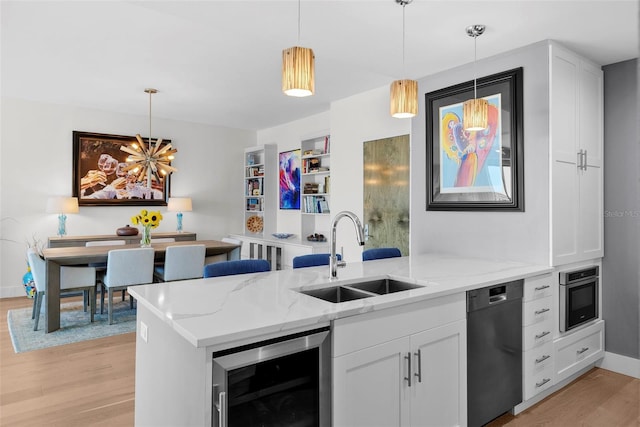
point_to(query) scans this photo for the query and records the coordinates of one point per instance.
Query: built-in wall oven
(578, 297)
(279, 382)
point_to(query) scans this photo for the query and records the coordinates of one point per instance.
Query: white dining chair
(181, 263)
(234, 254)
(126, 267)
(102, 266)
(72, 280)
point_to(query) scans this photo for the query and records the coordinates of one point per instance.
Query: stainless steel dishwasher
(494, 351)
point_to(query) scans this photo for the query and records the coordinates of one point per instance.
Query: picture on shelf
(289, 174)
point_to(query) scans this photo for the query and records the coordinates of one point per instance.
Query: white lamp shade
(179, 204)
(62, 205)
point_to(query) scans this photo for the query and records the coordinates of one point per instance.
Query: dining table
(81, 255)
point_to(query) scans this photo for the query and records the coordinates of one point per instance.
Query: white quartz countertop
(224, 312)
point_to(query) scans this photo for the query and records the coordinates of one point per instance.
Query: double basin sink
(357, 290)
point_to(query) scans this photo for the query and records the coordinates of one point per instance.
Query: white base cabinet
(416, 379)
(579, 349)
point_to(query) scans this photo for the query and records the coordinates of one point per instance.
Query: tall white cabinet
(576, 147)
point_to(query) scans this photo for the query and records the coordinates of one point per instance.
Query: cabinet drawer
(538, 382)
(578, 350)
(537, 311)
(537, 334)
(537, 287)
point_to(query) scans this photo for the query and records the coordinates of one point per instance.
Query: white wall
(36, 162)
(521, 236)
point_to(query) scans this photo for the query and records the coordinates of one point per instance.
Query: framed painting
(481, 170)
(289, 179)
(99, 178)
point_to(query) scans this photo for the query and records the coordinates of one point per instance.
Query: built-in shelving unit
(260, 190)
(315, 185)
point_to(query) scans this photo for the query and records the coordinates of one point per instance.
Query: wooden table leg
(52, 292)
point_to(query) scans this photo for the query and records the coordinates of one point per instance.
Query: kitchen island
(181, 324)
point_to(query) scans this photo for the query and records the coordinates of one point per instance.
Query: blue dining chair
(380, 253)
(312, 260)
(239, 266)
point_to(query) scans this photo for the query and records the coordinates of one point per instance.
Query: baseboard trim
(621, 364)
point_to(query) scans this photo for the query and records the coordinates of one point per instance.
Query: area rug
(74, 326)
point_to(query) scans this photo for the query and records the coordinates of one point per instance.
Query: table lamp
(179, 204)
(62, 206)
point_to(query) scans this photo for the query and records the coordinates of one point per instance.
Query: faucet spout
(333, 259)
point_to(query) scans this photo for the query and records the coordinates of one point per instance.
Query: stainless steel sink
(358, 290)
(337, 294)
(384, 286)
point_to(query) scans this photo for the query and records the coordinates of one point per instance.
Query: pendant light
(475, 112)
(149, 161)
(298, 74)
(404, 93)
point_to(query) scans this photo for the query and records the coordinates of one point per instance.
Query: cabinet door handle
(584, 160)
(544, 310)
(408, 377)
(543, 382)
(543, 358)
(579, 160)
(542, 335)
(582, 350)
(541, 288)
(418, 374)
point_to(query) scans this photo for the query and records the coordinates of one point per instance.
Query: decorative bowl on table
(315, 237)
(282, 235)
(127, 231)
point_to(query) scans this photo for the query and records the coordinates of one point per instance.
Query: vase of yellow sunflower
(147, 220)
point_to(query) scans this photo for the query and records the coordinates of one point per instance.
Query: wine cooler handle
(222, 413)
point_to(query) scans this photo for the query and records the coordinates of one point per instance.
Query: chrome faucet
(333, 259)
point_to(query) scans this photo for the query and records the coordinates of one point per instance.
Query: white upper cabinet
(576, 145)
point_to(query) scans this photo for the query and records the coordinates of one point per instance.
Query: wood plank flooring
(92, 383)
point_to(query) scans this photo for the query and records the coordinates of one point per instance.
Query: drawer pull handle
(542, 288)
(419, 373)
(544, 310)
(582, 350)
(542, 335)
(543, 358)
(543, 382)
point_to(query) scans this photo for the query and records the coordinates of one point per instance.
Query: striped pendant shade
(475, 114)
(298, 76)
(404, 99)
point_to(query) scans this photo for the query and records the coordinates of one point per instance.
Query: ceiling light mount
(475, 112)
(404, 2)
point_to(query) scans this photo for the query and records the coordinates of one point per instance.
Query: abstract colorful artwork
(289, 174)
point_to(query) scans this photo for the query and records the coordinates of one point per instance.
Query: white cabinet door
(439, 384)
(576, 141)
(369, 388)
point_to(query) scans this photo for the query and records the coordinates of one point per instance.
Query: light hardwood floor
(92, 383)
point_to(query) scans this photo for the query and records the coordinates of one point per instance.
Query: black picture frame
(94, 153)
(481, 170)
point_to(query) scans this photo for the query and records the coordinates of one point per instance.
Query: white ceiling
(218, 62)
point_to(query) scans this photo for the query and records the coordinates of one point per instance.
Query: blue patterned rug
(74, 325)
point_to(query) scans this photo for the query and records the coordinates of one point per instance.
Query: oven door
(578, 303)
(278, 382)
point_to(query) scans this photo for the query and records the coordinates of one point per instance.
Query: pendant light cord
(403, 40)
(298, 22)
(150, 92)
(475, 60)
